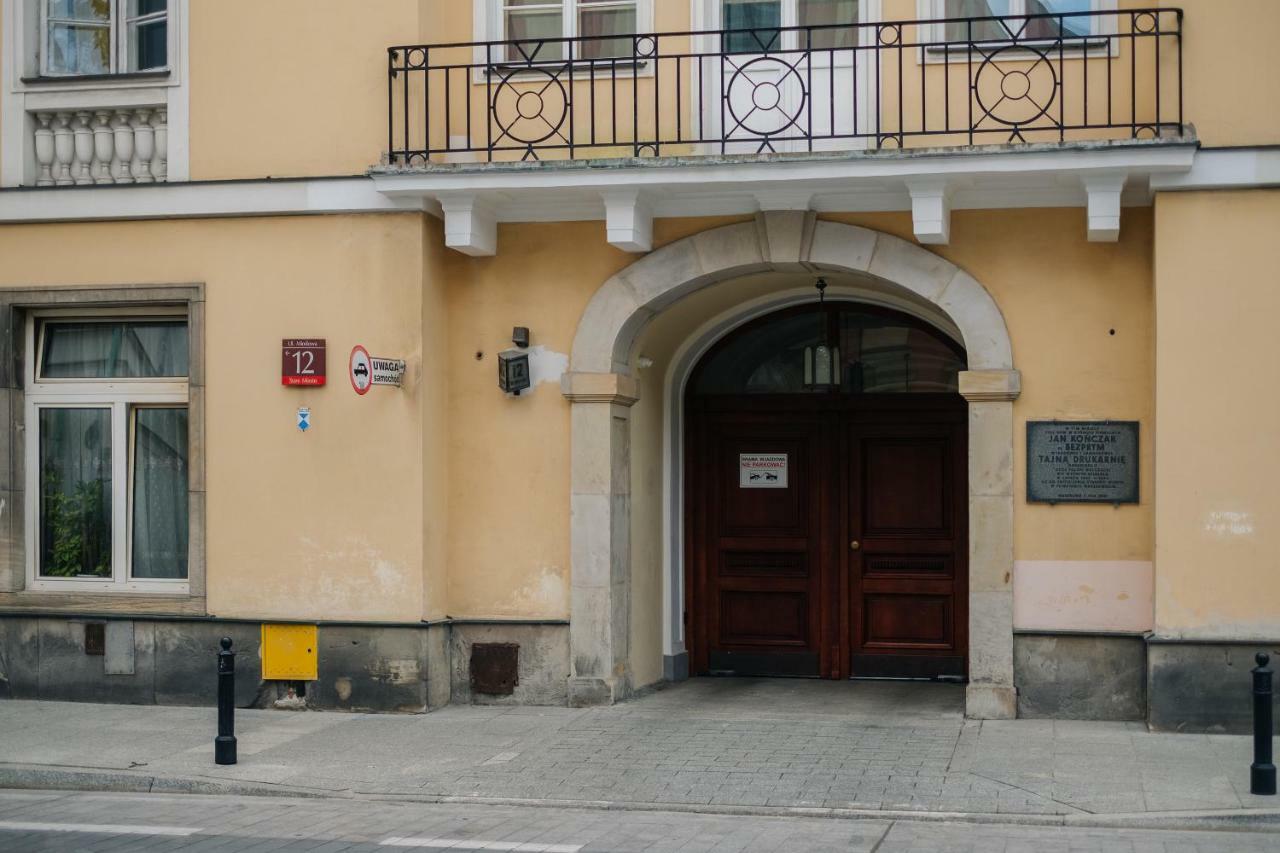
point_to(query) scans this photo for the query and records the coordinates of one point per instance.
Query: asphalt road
(76, 821)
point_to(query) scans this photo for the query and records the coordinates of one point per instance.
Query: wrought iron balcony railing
(957, 81)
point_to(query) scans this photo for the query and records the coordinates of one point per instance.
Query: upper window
(104, 36)
(597, 22)
(1015, 27)
(764, 17)
(108, 456)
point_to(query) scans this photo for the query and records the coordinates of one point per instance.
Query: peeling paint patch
(546, 365)
(395, 671)
(1225, 523)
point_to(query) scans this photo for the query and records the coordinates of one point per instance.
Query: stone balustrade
(102, 146)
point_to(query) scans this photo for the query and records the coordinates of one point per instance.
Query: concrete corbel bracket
(930, 210)
(628, 220)
(616, 388)
(1104, 191)
(470, 226)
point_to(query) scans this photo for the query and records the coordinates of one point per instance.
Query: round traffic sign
(361, 370)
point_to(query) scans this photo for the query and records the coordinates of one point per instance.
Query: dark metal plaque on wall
(1082, 462)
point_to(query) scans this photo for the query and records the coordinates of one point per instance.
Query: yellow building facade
(818, 338)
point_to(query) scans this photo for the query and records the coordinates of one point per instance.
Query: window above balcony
(93, 92)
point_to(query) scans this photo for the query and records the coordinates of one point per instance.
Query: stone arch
(602, 389)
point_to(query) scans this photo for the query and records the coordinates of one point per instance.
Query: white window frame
(118, 24)
(937, 9)
(869, 11)
(123, 396)
(490, 26)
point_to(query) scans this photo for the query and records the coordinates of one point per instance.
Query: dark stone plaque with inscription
(1082, 462)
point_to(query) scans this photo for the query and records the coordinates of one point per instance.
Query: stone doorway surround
(601, 388)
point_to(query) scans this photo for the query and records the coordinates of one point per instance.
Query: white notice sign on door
(762, 470)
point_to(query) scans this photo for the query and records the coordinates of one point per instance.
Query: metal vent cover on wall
(495, 668)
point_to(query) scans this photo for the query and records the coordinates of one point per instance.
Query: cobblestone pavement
(66, 821)
(708, 743)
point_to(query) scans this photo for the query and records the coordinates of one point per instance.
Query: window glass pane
(595, 19)
(762, 16)
(814, 13)
(80, 10)
(539, 21)
(147, 7)
(148, 45)
(884, 355)
(75, 493)
(765, 359)
(79, 49)
(879, 353)
(1049, 27)
(114, 350)
(981, 30)
(160, 493)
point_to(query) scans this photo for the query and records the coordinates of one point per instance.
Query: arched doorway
(826, 498)
(602, 386)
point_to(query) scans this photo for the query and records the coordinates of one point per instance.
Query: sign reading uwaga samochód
(1082, 462)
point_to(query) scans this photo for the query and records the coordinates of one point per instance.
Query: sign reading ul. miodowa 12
(1082, 462)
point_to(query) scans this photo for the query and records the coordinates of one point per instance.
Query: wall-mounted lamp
(513, 364)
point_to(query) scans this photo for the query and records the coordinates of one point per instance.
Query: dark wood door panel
(908, 620)
(905, 487)
(763, 618)
(763, 564)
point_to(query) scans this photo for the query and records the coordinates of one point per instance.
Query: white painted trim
(1225, 169)
(819, 170)
(221, 198)
(702, 190)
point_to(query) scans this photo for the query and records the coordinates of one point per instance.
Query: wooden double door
(827, 536)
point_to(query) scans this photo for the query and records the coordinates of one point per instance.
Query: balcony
(848, 96)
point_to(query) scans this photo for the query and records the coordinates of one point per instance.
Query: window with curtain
(1035, 28)
(104, 36)
(764, 18)
(108, 398)
(546, 23)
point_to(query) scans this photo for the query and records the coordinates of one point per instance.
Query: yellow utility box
(289, 652)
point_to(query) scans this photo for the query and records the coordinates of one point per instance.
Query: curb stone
(31, 777)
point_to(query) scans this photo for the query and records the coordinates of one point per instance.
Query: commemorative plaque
(1082, 462)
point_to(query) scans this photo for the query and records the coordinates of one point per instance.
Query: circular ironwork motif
(757, 105)
(1019, 93)
(532, 109)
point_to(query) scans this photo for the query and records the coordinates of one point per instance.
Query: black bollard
(1262, 773)
(224, 745)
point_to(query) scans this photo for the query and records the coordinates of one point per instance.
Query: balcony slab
(1098, 177)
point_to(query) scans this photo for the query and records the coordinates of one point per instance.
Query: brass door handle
(855, 545)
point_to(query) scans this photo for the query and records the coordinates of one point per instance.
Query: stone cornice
(616, 388)
(990, 386)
